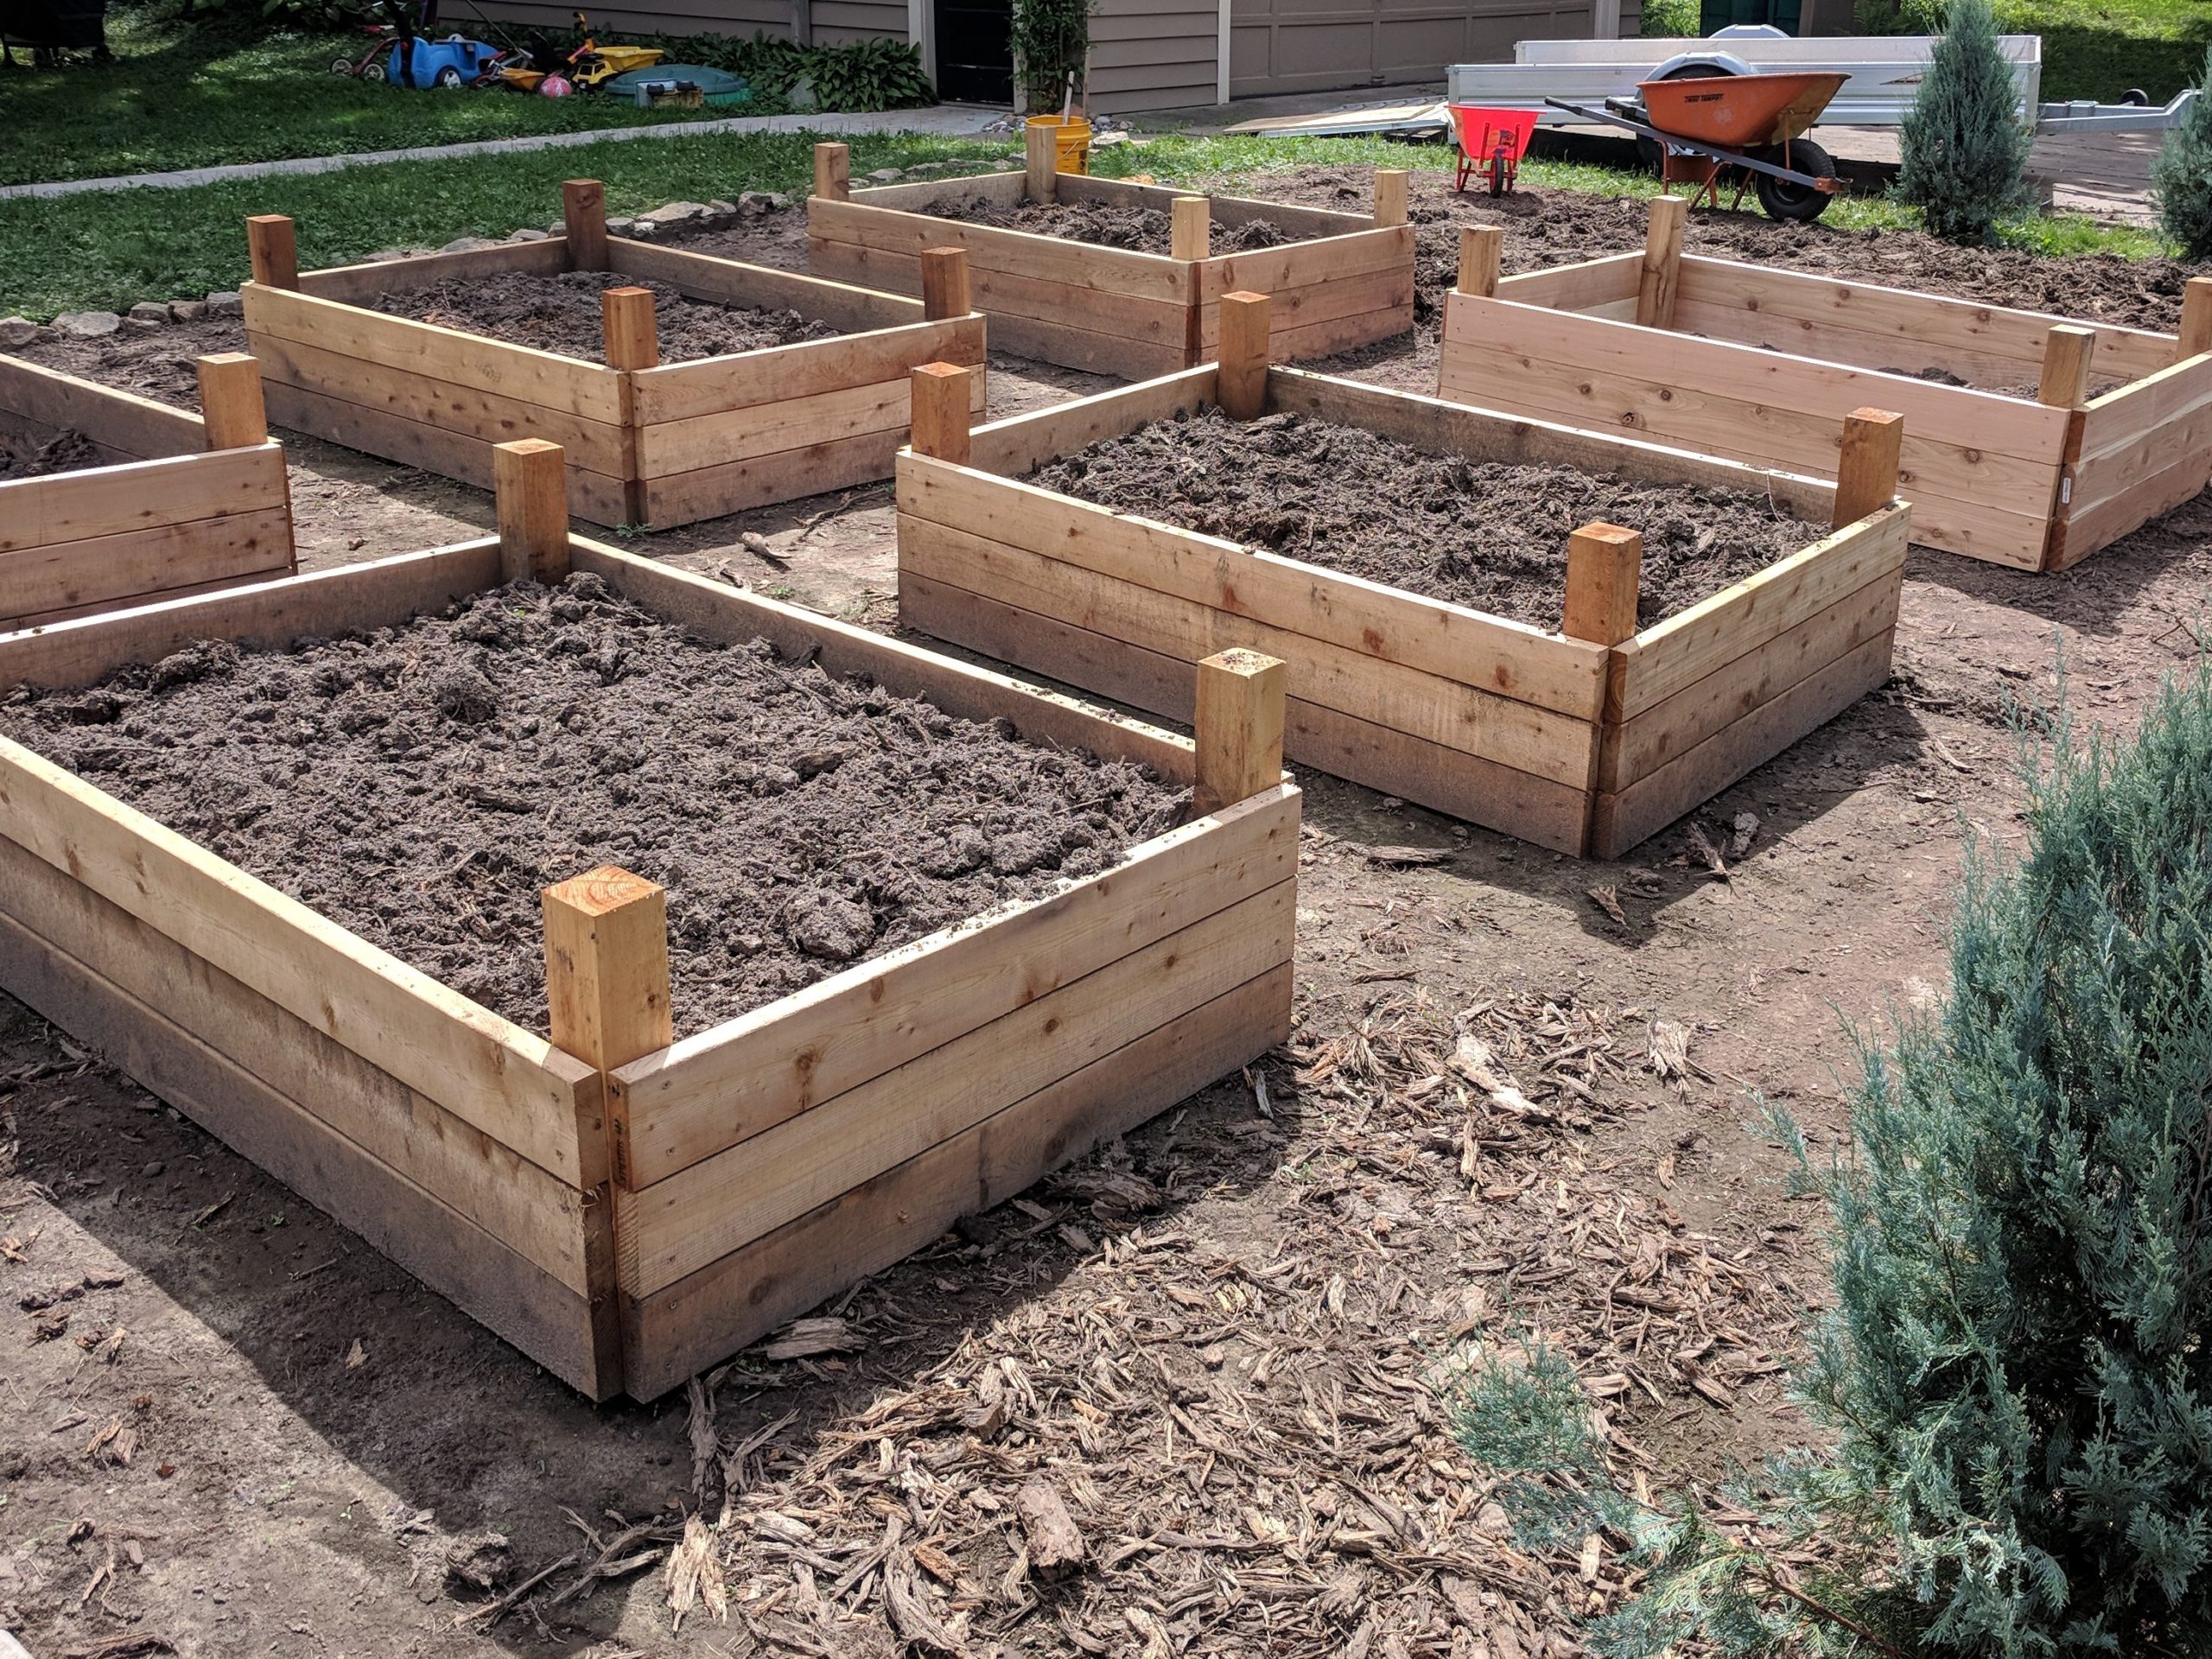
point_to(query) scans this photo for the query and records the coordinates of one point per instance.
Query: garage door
(1298, 45)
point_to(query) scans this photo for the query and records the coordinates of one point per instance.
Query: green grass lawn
(2101, 49)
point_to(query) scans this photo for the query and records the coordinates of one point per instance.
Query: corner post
(2066, 351)
(2195, 318)
(1661, 277)
(231, 406)
(607, 974)
(1393, 189)
(1040, 148)
(1481, 254)
(1239, 727)
(945, 284)
(628, 327)
(833, 172)
(1190, 229)
(583, 223)
(1867, 471)
(1603, 567)
(274, 248)
(1241, 385)
(940, 412)
(529, 488)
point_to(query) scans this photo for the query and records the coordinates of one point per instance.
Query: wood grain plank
(107, 572)
(679, 391)
(132, 427)
(139, 495)
(731, 282)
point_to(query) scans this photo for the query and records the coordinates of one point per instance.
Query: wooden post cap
(628, 325)
(1241, 385)
(940, 415)
(1241, 706)
(945, 284)
(1866, 466)
(2195, 318)
(1481, 254)
(1040, 147)
(1190, 228)
(583, 223)
(833, 172)
(1603, 567)
(1393, 195)
(231, 406)
(2066, 351)
(529, 488)
(273, 249)
(606, 975)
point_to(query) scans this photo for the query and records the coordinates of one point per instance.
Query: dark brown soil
(156, 363)
(422, 785)
(1143, 230)
(65, 452)
(1481, 534)
(561, 314)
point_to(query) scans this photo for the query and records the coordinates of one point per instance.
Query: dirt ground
(1214, 1343)
(563, 314)
(65, 452)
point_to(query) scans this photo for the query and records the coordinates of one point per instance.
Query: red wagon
(1494, 140)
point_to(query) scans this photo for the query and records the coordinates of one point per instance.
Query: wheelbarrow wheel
(342, 66)
(1781, 197)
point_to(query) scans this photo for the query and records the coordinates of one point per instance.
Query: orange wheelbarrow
(1708, 125)
(1494, 140)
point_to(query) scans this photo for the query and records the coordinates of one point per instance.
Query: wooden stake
(230, 401)
(529, 486)
(273, 250)
(583, 223)
(1391, 194)
(833, 172)
(940, 412)
(1241, 385)
(1239, 727)
(1604, 563)
(607, 967)
(1041, 160)
(1866, 473)
(2195, 318)
(945, 284)
(1656, 285)
(1190, 229)
(2066, 353)
(627, 325)
(1482, 252)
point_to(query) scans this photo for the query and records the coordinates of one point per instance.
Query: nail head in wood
(1658, 282)
(1867, 468)
(627, 324)
(2066, 351)
(530, 487)
(607, 967)
(945, 284)
(1393, 195)
(1190, 228)
(940, 412)
(1242, 696)
(1603, 567)
(833, 172)
(1041, 162)
(231, 405)
(2195, 318)
(274, 248)
(1242, 384)
(1481, 254)
(583, 223)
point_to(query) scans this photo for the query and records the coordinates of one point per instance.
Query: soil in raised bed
(1487, 534)
(1109, 224)
(421, 785)
(561, 314)
(68, 451)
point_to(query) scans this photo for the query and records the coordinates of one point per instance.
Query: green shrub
(2181, 178)
(1051, 40)
(1671, 19)
(2017, 1379)
(1966, 153)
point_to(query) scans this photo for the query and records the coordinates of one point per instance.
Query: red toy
(1493, 139)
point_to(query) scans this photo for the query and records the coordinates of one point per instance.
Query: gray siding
(1289, 45)
(1152, 55)
(839, 23)
(665, 16)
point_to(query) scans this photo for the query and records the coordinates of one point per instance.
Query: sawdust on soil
(561, 313)
(1487, 534)
(1108, 225)
(422, 785)
(65, 452)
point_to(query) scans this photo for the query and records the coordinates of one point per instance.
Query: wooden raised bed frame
(624, 1209)
(189, 502)
(1115, 310)
(2036, 482)
(1586, 741)
(648, 443)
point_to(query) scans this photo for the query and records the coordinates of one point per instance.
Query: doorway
(974, 51)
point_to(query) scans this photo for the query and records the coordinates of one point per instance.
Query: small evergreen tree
(2181, 178)
(1966, 153)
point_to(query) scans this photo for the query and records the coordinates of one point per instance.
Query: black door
(974, 51)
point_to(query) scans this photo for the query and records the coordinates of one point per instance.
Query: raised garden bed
(1341, 280)
(134, 501)
(1585, 738)
(2018, 461)
(649, 440)
(625, 1205)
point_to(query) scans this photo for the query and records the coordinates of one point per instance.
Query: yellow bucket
(1071, 140)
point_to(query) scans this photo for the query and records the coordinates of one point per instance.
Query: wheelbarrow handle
(1691, 147)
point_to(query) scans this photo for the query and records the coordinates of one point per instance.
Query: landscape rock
(468, 245)
(187, 310)
(149, 311)
(384, 256)
(526, 234)
(752, 204)
(87, 324)
(19, 331)
(778, 201)
(620, 226)
(721, 209)
(226, 304)
(887, 175)
(643, 230)
(674, 212)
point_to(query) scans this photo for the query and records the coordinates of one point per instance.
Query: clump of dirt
(160, 363)
(1483, 534)
(421, 785)
(69, 451)
(1109, 224)
(561, 313)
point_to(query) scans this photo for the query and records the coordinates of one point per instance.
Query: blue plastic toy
(452, 62)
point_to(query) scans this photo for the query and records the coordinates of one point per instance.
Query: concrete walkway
(950, 120)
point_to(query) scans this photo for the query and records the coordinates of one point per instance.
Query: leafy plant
(2181, 178)
(1966, 152)
(1051, 42)
(1670, 20)
(878, 74)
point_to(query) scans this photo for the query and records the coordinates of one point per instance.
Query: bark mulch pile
(1483, 534)
(1107, 225)
(421, 785)
(561, 314)
(65, 452)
